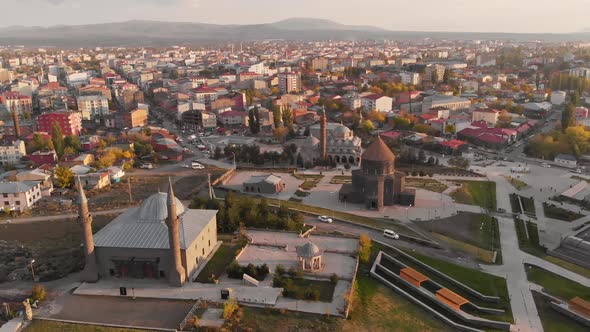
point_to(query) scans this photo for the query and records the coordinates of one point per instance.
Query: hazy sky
(417, 15)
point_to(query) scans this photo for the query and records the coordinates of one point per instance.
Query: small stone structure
(310, 257)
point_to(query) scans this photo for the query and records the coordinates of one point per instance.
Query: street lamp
(234, 155)
(33, 270)
(408, 212)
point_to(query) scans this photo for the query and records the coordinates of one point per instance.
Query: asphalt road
(445, 253)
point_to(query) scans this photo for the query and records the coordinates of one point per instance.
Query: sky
(413, 15)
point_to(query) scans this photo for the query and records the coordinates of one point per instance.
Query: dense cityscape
(295, 184)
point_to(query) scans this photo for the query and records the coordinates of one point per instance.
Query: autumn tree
(567, 117)
(281, 132)
(57, 138)
(377, 116)
(367, 126)
(504, 120)
(64, 177)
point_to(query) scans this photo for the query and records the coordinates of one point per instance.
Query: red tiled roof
(453, 144)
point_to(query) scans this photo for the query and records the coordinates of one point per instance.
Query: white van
(391, 234)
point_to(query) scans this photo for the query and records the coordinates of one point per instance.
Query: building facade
(93, 107)
(70, 122)
(20, 196)
(12, 153)
(289, 82)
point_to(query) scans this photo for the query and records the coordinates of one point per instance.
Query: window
(203, 251)
(17, 202)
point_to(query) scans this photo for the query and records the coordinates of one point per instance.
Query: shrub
(279, 270)
(334, 278)
(312, 294)
(262, 271)
(365, 248)
(38, 293)
(295, 273)
(414, 173)
(234, 270)
(422, 173)
(278, 281)
(229, 307)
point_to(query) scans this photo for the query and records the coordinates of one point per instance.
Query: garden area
(426, 184)
(556, 285)
(528, 237)
(528, 204)
(51, 326)
(481, 193)
(341, 179)
(296, 287)
(516, 183)
(223, 257)
(555, 212)
(309, 180)
(477, 234)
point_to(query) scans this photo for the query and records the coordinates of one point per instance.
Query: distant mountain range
(155, 33)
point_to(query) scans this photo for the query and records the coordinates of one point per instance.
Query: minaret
(323, 136)
(176, 274)
(15, 119)
(90, 272)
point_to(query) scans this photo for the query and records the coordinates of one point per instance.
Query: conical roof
(308, 250)
(378, 151)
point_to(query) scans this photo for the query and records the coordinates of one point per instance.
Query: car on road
(325, 219)
(195, 165)
(546, 165)
(579, 171)
(185, 166)
(390, 234)
(146, 166)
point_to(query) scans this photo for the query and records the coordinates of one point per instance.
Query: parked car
(546, 165)
(325, 219)
(390, 234)
(195, 165)
(146, 166)
(579, 171)
(186, 166)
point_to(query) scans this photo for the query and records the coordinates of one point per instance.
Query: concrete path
(63, 216)
(12, 325)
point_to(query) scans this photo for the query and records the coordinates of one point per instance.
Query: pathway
(63, 216)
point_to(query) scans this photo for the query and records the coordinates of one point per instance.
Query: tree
(367, 126)
(567, 117)
(377, 116)
(217, 153)
(73, 142)
(576, 98)
(450, 128)
(421, 156)
(57, 138)
(229, 307)
(281, 133)
(459, 162)
(504, 120)
(446, 76)
(277, 116)
(287, 116)
(253, 116)
(64, 177)
(364, 248)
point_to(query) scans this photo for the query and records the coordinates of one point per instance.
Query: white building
(20, 196)
(450, 102)
(566, 160)
(408, 77)
(289, 82)
(12, 154)
(93, 107)
(77, 79)
(580, 72)
(377, 102)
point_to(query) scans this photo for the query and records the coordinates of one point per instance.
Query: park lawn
(52, 326)
(427, 184)
(224, 255)
(556, 212)
(483, 255)
(528, 204)
(568, 266)
(531, 244)
(554, 321)
(516, 183)
(556, 285)
(308, 184)
(267, 319)
(476, 229)
(481, 193)
(326, 288)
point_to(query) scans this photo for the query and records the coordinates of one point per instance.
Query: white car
(185, 166)
(325, 219)
(146, 166)
(197, 166)
(546, 165)
(391, 234)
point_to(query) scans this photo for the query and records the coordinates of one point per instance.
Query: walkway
(63, 216)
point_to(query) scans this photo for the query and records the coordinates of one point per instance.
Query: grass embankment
(484, 283)
(224, 255)
(555, 212)
(51, 326)
(516, 183)
(481, 193)
(556, 285)
(426, 184)
(554, 321)
(477, 234)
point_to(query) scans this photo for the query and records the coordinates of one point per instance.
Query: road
(446, 254)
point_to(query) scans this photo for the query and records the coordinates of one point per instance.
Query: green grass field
(220, 260)
(427, 184)
(51, 326)
(325, 288)
(516, 183)
(482, 193)
(556, 285)
(531, 244)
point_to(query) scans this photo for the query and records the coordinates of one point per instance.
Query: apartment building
(93, 107)
(21, 195)
(70, 122)
(289, 82)
(12, 153)
(16, 102)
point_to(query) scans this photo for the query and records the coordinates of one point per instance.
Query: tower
(323, 136)
(15, 119)
(176, 274)
(90, 272)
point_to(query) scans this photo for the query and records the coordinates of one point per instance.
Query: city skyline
(497, 16)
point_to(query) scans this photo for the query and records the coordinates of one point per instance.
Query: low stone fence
(223, 178)
(105, 324)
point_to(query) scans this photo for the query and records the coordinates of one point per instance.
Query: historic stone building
(161, 239)
(377, 183)
(336, 143)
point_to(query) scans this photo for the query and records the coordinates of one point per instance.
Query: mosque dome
(155, 208)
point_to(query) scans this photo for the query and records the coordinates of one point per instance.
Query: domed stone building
(377, 183)
(161, 239)
(342, 146)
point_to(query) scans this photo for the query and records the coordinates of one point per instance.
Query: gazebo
(309, 256)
